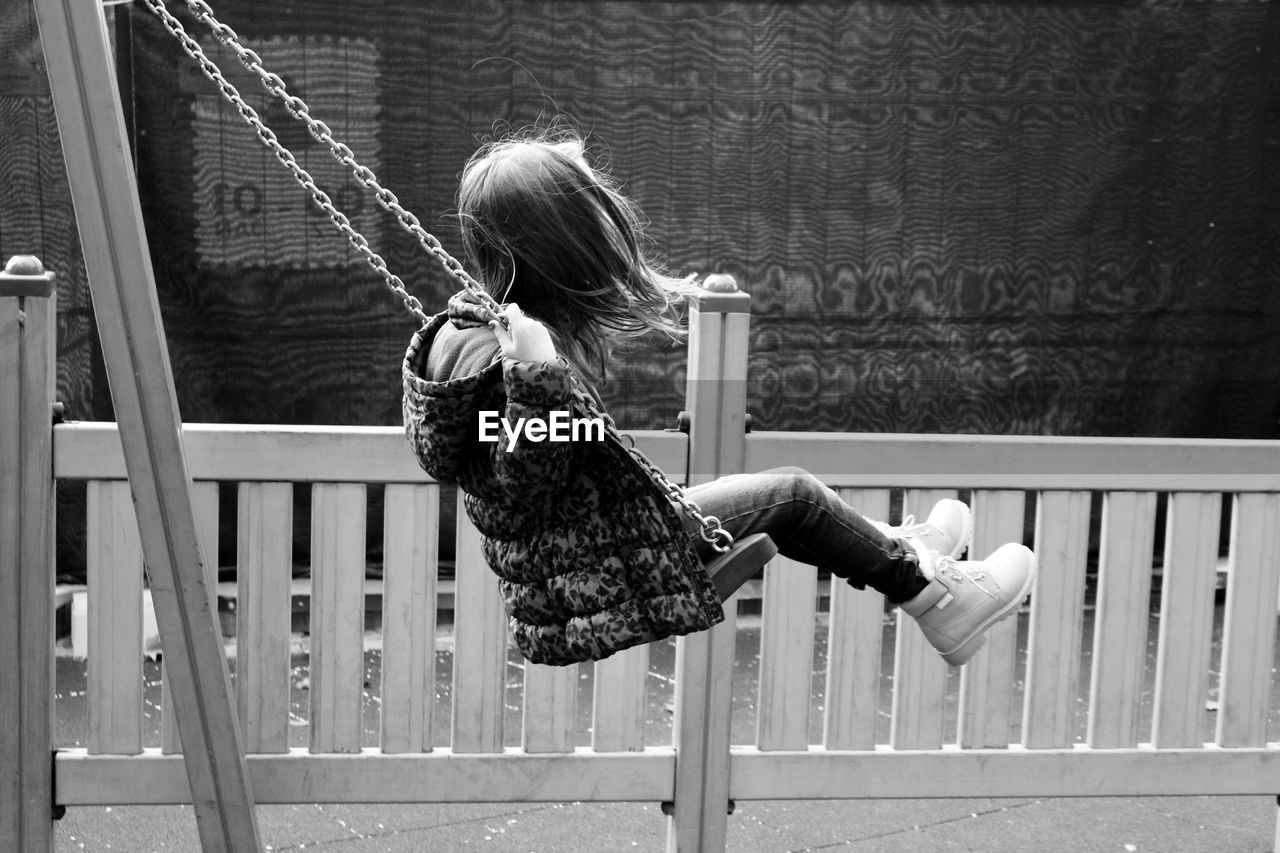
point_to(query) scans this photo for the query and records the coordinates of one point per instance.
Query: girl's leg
(954, 603)
(809, 522)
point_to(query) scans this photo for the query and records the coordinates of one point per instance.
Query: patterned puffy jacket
(591, 556)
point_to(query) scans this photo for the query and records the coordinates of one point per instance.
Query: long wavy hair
(541, 227)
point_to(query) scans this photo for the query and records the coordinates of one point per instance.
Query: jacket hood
(456, 343)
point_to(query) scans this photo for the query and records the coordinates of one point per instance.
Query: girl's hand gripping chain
(524, 338)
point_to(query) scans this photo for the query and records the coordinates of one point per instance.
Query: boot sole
(961, 654)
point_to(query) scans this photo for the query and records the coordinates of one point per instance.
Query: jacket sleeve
(440, 414)
(531, 470)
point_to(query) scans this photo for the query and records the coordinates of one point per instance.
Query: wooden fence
(1066, 700)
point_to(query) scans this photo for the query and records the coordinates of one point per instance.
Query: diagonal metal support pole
(118, 262)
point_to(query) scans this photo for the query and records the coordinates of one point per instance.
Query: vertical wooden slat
(204, 503)
(1186, 618)
(919, 672)
(786, 655)
(264, 574)
(987, 680)
(411, 530)
(337, 615)
(919, 689)
(855, 637)
(1250, 621)
(480, 647)
(550, 708)
(1275, 843)
(28, 367)
(1056, 628)
(114, 569)
(1120, 627)
(618, 701)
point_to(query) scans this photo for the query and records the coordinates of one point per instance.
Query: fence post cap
(24, 265)
(25, 275)
(720, 283)
(719, 293)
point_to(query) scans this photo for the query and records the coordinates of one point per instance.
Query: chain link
(321, 132)
(285, 156)
(709, 526)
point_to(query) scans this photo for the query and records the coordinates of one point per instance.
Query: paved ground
(1211, 825)
(1204, 825)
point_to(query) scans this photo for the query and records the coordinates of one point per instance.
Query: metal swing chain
(321, 132)
(709, 526)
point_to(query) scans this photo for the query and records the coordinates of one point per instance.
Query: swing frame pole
(104, 192)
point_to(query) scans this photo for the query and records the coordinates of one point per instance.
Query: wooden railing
(1069, 699)
(1029, 720)
(342, 467)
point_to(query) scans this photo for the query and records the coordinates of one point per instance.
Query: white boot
(964, 599)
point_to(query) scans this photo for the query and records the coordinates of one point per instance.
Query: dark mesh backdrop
(977, 218)
(1049, 218)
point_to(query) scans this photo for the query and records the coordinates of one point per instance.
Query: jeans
(810, 523)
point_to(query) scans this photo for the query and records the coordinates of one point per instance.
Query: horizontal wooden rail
(1013, 772)
(90, 450)
(1021, 462)
(514, 775)
(371, 776)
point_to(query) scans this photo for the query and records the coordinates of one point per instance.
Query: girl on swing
(591, 554)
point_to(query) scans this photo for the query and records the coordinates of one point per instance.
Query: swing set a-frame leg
(118, 266)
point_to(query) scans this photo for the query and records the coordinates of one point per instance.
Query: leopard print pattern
(591, 557)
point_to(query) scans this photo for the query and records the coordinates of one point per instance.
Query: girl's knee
(788, 471)
(802, 484)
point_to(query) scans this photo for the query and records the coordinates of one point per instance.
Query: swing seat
(739, 564)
